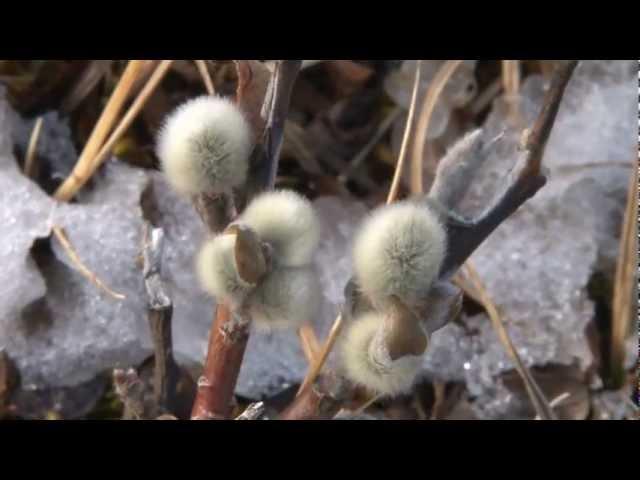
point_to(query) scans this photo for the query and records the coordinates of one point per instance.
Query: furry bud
(287, 222)
(366, 361)
(217, 271)
(398, 251)
(204, 146)
(286, 298)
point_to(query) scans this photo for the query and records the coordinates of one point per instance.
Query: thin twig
(395, 184)
(90, 78)
(439, 391)
(313, 372)
(206, 77)
(556, 402)
(536, 395)
(83, 168)
(309, 343)
(82, 268)
(624, 281)
(367, 404)
(466, 237)
(375, 139)
(483, 100)
(166, 370)
(433, 93)
(30, 157)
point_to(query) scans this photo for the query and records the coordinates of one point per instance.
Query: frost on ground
(536, 265)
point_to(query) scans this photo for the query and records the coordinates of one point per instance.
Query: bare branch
(466, 237)
(166, 370)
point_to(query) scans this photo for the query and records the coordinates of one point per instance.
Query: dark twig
(166, 370)
(465, 238)
(266, 156)
(9, 380)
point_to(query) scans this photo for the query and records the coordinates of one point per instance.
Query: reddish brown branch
(230, 333)
(227, 343)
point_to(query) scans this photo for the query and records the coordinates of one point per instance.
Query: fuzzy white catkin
(393, 379)
(288, 222)
(204, 146)
(217, 271)
(399, 250)
(286, 298)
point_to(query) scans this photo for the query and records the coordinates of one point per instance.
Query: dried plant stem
(623, 297)
(367, 404)
(433, 93)
(511, 84)
(309, 343)
(538, 399)
(313, 372)
(375, 139)
(395, 183)
(439, 391)
(30, 157)
(132, 112)
(483, 100)
(89, 79)
(160, 312)
(84, 167)
(206, 77)
(82, 268)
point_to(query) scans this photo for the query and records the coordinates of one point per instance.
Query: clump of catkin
(398, 252)
(204, 146)
(366, 362)
(289, 294)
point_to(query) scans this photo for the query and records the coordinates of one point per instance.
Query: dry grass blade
(511, 84)
(624, 281)
(375, 139)
(395, 184)
(30, 158)
(132, 113)
(206, 78)
(309, 342)
(367, 404)
(84, 167)
(538, 399)
(82, 268)
(556, 402)
(433, 93)
(326, 349)
(483, 100)
(89, 79)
